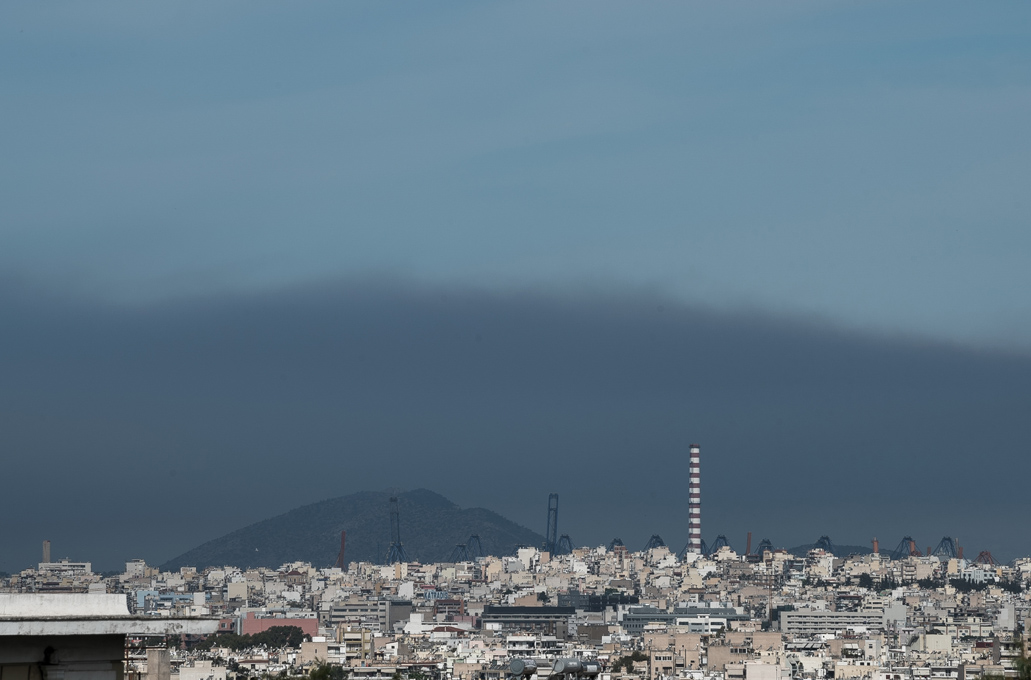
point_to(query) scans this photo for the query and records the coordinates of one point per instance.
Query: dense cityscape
(311, 311)
(649, 614)
(708, 612)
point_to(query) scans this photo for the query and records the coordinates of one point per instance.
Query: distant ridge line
(432, 526)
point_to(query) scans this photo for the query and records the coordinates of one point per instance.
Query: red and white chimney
(694, 488)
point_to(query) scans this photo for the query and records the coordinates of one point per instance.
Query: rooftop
(87, 614)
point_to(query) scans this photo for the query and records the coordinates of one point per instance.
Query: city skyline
(373, 340)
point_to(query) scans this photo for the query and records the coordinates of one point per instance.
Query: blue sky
(864, 163)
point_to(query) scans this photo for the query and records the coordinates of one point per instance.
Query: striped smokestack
(694, 488)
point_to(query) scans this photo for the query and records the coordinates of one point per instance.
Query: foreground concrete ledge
(98, 626)
(62, 605)
(87, 614)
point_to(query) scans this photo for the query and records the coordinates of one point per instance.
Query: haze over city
(253, 257)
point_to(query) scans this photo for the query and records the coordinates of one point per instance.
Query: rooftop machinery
(561, 668)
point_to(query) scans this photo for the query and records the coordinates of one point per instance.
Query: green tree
(276, 637)
(327, 671)
(627, 661)
(1023, 664)
(888, 583)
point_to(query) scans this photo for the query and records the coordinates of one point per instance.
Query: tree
(1023, 664)
(963, 585)
(627, 662)
(888, 583)
(327, 671)
(276, 637)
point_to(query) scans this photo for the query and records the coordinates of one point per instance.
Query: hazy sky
(143, 432)
(188, 191)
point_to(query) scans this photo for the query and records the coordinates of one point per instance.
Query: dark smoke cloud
(144, 431)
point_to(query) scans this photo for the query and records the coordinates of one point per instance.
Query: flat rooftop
(87, 614)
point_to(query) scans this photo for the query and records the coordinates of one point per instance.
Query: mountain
(431, 526)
